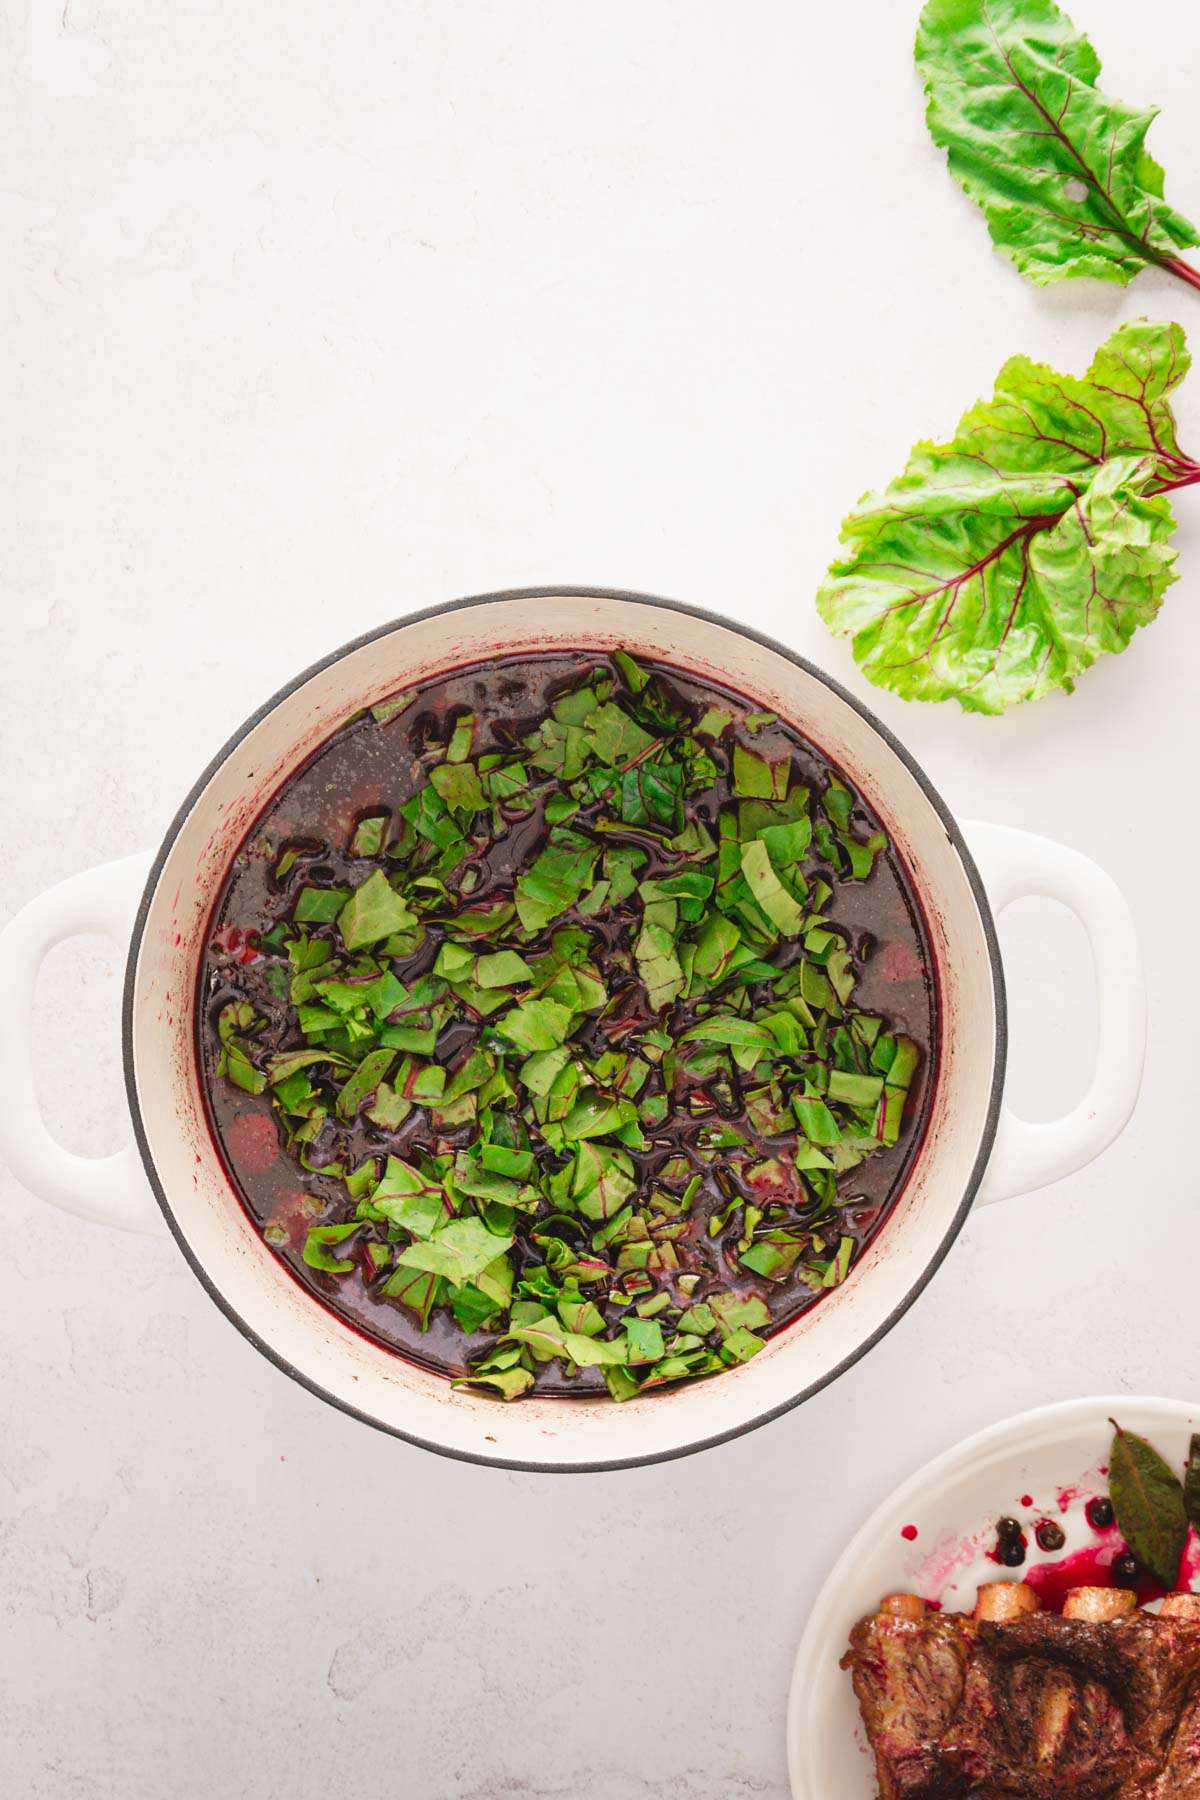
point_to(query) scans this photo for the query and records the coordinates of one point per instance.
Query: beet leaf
(1000, 565)
(1060, 169)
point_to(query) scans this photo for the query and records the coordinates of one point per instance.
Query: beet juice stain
(371, 766)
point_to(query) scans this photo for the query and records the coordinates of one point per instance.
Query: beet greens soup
(567, 1025)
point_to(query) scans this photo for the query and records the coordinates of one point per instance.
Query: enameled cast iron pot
(166, 905)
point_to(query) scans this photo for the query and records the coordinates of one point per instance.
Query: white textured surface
(323, 314)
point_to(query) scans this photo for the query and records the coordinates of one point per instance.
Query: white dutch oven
(166, 904)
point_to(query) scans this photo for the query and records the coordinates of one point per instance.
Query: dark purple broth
(366, 766)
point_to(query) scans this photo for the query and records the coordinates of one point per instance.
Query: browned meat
(1102, 1705)
(908, 1675)
(1180, 1780)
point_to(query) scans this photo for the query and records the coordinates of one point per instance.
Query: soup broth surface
(726, 1186)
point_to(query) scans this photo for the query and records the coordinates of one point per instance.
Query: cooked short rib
(1102, 1703)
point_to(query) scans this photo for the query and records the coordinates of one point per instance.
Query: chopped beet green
(316, 1247)
(550, 982)
(368, 839)
(318, 905)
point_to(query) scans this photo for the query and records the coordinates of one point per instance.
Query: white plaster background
(316, 314)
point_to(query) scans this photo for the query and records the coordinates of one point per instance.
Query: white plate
(954, 1503)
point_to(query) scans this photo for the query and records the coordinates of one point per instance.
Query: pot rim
(996, 969)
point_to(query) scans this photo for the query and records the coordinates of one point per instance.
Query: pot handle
(1015, 864)
(112, 1190)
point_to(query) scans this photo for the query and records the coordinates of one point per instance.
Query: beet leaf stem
(1185, 271)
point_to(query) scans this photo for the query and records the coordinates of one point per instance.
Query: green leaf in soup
(714, 722)
(834, 1272)
(699, 1319)
(510, 1384)
(736, 1032)
(735, 1312)
(462, 739)
(554, 882)
(454, 962)
(459, 1251)
(415, 1289)
(1059, 169)
(597, 1115)
(787, 844)
(384, 994)
(484, 921)
(773, 1258)
(1148, 1501)
(783, 910)
(236, 1066)
(480, 1300)
(548, 1338)
(297, 1095)
(504, 968)
(362, 1180)
(345, 996)
(616, 738)
(602, 1179)
(816, 1121)
(853, 1089)
(373, 1069)
(407, 1198)
(560, 808)
(472, 1177)
(658, 964)
(717, 949)
(429, 815)
(619, 866)
(308, 953)
(317, 1253)
(495, 1280)
(741, 1345)
(643, 1341)
(507, 782)
(278, 979)
(372, 912)
(521, 1165)
(471, 1307)
(536, 1025)
(756, 778)
(288, 858)
(695, 842)
(458, 785)
(558, 749)
(580, 1314)
(636, 678)
(594, 900)
(389, 1109)
(369, 834)
(1000, 565)
(690, 887)
(236, 1019)
(383, 710)
(652, 795)
(319, 906)
(576, 707)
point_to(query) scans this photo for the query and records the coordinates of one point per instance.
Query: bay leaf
(1148, 1500)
